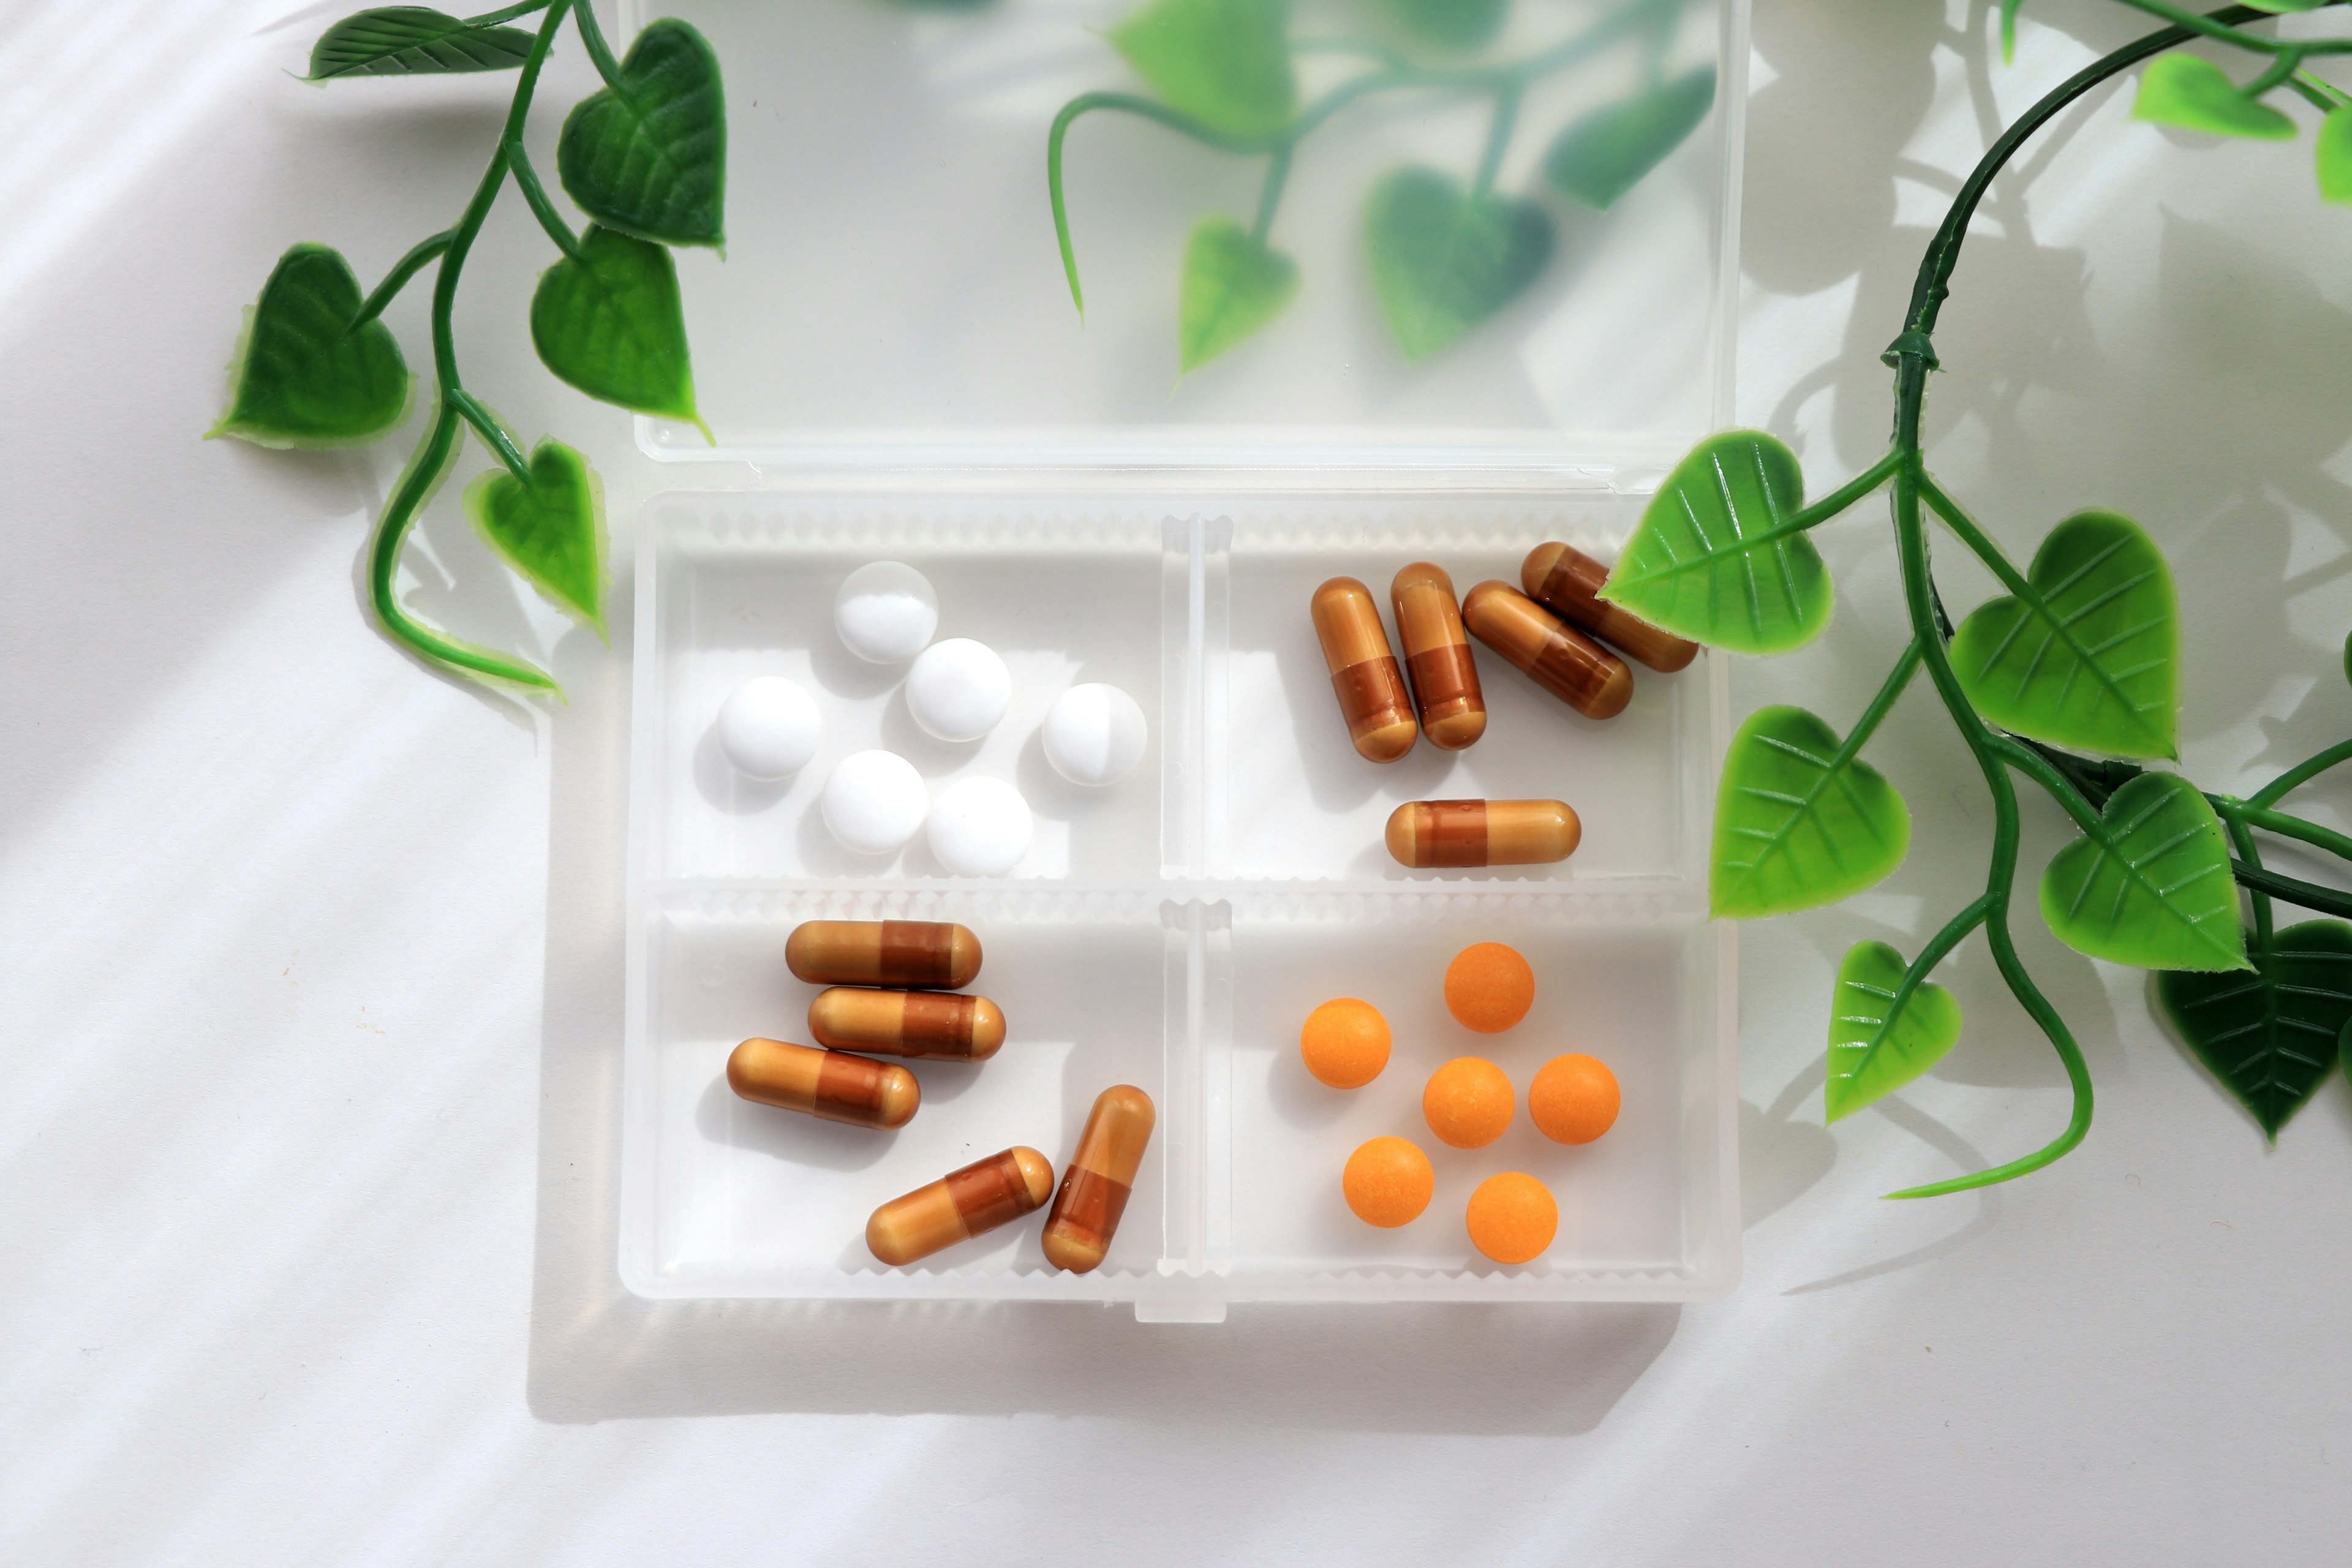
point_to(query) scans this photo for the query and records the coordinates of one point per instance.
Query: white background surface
(311, 986)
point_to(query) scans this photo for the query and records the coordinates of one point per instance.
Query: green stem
(2288, 826)
(1498, 139)
(492, 433)
(1269, 195)
(592, 38)
(2287, 63)
(1937, 947)
(406, 268)
(432, 456)
(2220, 26)
(2302, 773)
(2288, 889)
(526, 179)
(2240, 836)
(2322, 96)
(1979, 543)
(1880, 706)
(492, 18)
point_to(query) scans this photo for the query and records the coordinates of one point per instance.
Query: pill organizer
(944, 408)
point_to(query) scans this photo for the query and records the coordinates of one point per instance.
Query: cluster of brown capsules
(1542, 632)
(890, 991)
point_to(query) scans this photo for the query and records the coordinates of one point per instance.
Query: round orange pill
(1512, 1217)
(1468, 1102)
(1489, 987)
(1388, 1182)
(1573, 1099)
(1345, 1042)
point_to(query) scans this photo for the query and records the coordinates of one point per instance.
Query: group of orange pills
(1542, 632)
(1468, 1103)
(887, 993)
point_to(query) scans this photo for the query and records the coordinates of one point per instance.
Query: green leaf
(2193, 94)
(1714, 561)
(649, 157)
(2269, 1035)
(1233, 285)
(1226, 63)
(2333, 154)
(2089, 656)
(2151, 884)
(1798, 823)
(610, 324)
(1607, 152)
(412, 40)
(552, 529)
(1871, 1052)
(1443, 260)
(1454, 23)
(300, 378)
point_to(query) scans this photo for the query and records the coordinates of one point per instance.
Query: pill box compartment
(1170, 931)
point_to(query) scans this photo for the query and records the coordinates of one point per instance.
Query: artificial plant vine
(1445, 252)
(2070, 678)
(645, 157)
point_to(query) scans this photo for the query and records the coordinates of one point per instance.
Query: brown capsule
(1568, 583)
(907, 1023)
(1562, 660)
(827, 1084)
(923, 954)
(1429, 832)
(1437, 656)
(1096, 1180)
(961, 1205)
(1372, 698)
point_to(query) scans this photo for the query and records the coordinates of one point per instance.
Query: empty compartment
(738, 590)
(1298, 803)
(726, 1197)
(1649, 1209)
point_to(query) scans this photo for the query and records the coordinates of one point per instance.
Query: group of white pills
(874, 803)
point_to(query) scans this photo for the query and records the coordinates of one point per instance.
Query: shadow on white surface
(598, 1352)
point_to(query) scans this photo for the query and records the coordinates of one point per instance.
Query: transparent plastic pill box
(1173, 931)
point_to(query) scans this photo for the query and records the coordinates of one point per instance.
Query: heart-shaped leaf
(1871, 1052)
(2269, 1035)
(1714, 560)
(2193, 94)
(1456, 24)
(610, 324)
(412, 40)
(1607, 152)
(1444, 260)
(2089, 656)
(1226, 63)
(2151, 884)
(1233, 285)
(2333, 157)
(303, 376)
(649, 156)
(1798, 822)
(552, 529)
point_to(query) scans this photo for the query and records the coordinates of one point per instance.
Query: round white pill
(885, 612)
(1094, 735)
(957, 690)
(769, 727)
(980, 827)
(873, 802)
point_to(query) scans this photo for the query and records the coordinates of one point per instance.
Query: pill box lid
(891, 296)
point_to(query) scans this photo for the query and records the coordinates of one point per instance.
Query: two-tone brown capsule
(1426, 834)
(1098, 1178)
(1568, 583)
(1560, 659)
(827, 1084)
(924, 954)
(1437, 656)
(1372, 698)
(907, 1022)
(960, 1205)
